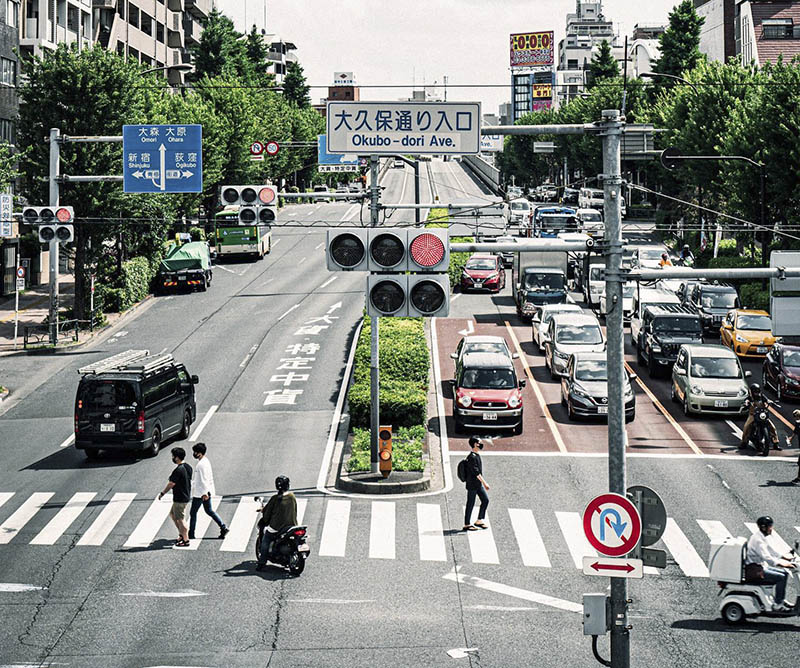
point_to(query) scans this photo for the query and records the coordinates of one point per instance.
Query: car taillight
(140, 423)
(76, 423)
(300, 532)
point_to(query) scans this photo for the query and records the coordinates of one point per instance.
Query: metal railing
(39, 335)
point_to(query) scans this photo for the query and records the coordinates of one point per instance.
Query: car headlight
(514, 401)
(655, 348)
(742, 392)
(560, 355)
(465, 401)
(696, 389)
(491, 277)
(740, 338)
(577, 390)
(791, 381)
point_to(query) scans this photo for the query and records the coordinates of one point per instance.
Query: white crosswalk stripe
(240, 530)
(149, 526)
(5, 496)
(531, 545)
(682, 551)
(333, 541)
(572, 530)
(481, 544)
(382, 530)
(64, 518)
(14, 524)
(430, 532)
(100, 529)
(715, 530)
(203, 522)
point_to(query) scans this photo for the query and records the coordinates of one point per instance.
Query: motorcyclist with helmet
(686, 257)
(279, 513)
(763, 565)
(757, 402)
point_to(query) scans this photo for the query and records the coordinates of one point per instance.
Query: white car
(590, 198)
(627, 301)
(591, 222)
(595, 285)
(649, 257)
(571, 333)
(541, 321)
(519, 212)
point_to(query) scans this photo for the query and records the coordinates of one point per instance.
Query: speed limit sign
(272, 148)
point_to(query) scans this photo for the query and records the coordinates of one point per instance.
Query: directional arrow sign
(162, 158)
(613, 568)
(612, 524)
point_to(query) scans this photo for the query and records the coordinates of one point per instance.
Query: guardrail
(487, 174)
(39, 335)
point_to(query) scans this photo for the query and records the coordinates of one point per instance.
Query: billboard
(541, 105)
(344, 79)
(541, 91)
(532, 49)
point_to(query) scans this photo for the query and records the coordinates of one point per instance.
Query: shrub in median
(403, 351)
(407, 444)
(403, 403)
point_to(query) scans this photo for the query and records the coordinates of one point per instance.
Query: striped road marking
(334, 533)
(531, 545)
(382, 530)
(12, 526)
(682, 551)
(64, 518)
(149, 526)
(107, 519)
(431, 537)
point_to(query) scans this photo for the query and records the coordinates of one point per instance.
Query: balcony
(174, 39)
(104, 4)
(191, 31)
(199, 8)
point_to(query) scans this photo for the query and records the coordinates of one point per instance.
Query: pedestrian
(476, 486)
(203, 491)
(795, 432)
(180, 482)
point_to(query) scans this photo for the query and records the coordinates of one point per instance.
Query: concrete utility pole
(55, 170)
(374, 366)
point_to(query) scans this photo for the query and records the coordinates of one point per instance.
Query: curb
(360, 483)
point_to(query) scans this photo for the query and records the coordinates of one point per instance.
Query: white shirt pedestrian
(203, 479)
(759, 551)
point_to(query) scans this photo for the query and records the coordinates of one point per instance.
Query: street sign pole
(374, 368)
(55, 169)
(16, 314)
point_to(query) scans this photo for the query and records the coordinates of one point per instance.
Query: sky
(415, 41)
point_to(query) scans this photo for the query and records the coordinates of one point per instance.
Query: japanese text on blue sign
(162, 158)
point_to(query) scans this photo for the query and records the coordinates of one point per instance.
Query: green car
(709, 379)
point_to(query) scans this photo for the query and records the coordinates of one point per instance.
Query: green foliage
(603, 65)
(295, 89)
(9, 164)
(403, 404)
(403, 351)
(407, 449)
(680, 43)
(132, 285)
(752, 296)
(197, 233)
(221, 51)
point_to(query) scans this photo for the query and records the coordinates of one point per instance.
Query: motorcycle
(760, 437)
(288, 548)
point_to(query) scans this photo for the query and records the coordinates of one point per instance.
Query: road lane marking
(714, 529)
(539, 396)
(781, 418)
(327, 283)
(64, 518)
(288, 312)
(332, 601)
(382, 530)
(203, 423)
(469, 329)
(302, 259)
(352, 211)
(203, 522)
(444, 443)
(241, 527)
(682, 551)
(430, 532)
(69, 440)
(149, 526)
(224, 268)
(319, 245)
(16, 588)
(333, 541)
(248, 356)
(182, 593)
(5, 496)
(734, 429)
(529, 539)
(455, 296)
(14, 524)
(481, 544)
(666, 413)
(775, 541)
(107, 519)
(276, 242)
(572, 529)
(515, 592)
(638, 455)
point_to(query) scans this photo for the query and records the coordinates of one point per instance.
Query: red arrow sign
(612, 567)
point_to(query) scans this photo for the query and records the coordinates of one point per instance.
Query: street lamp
(180, 67)
(656, 75)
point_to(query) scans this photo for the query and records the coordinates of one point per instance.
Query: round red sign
(612, 524)
(272, 148)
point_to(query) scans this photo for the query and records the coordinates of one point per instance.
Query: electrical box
(789, 260)
(595, 617)
(726, 559)
(785, 315)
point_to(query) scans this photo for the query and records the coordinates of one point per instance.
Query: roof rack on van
(149, 364)
(114, 361)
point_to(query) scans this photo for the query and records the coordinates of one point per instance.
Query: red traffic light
(64, 215)
(427, 250)
(266, 195)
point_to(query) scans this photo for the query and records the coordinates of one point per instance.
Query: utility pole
(416, 191)
(374, 367)
(55, 169)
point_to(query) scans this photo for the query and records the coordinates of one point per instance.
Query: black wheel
(563, 400)
(686, 411)
(92, 453)
(639, 356)
(258, 544)
(631, 417)
(652, 369)
(296, 564)
(155, 443)
(187, 423)
(204, 284)
(733, 613)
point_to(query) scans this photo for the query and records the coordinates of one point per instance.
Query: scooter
(288, 549)
(759, 436)
(741, 599)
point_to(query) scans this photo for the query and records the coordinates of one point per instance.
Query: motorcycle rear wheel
(296, 564)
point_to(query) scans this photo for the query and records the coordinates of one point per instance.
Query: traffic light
(385, 450)
(408, 295)
(257, 204)
(55, 222)
(347, 249)
(402, 249)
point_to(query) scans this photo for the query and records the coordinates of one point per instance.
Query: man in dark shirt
(180, 482)
(476, 486)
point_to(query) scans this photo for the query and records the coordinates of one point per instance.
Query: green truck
(185, 267)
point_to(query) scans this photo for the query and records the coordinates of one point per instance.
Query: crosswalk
(120, 523)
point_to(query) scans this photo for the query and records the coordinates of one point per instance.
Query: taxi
(747, 332)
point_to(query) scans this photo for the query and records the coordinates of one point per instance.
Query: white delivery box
(726, 559)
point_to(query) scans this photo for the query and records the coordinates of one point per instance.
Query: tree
(9, 165)
(295, 89)
(221, 50)
(603, 65)
(257, 54)
(680, 42)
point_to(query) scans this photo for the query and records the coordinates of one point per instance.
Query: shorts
(178, 511)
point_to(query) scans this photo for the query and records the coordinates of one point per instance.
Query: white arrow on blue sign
(162, 158)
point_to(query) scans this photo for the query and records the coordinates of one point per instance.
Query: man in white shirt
(203, 491)
(760, 552)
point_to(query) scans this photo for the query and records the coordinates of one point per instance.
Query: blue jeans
(266, 542)
(484, 497)
(197, 501)
(778, 577)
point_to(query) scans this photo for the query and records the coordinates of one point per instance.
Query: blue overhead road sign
(162, 158)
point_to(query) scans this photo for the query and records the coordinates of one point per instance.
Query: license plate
(303, 548)
(761, 349)
(479, 285)
(490, 416)
(108, 427)
(602, 410)
(181, 278)
(720, 403)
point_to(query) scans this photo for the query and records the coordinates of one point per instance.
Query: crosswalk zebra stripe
(301, 510)
(482, 545)
(529, 540)
(430, 532)
(241, 527)
(13, 525)
(682, 551)
(5, 496)
(714, 529)
(382, 530)
(333, 541)
(774, 540)
(64, 518)
(107, 519)
(572, 530)
(203, 522)
(149, 526)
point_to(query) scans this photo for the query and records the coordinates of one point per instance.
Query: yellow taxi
(747, 332)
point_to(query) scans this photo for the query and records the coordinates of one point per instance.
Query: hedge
(403, 351)
(753, 296)
(133, 286)
(403, 404)
(407, 444)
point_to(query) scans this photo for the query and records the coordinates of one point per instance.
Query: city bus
(234, 239)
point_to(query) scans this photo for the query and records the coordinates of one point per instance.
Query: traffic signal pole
(54, 246)
(374, 368)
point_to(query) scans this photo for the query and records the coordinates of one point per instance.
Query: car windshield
(579, 334)
(488, 379)
(719, 299)
(715, 367)
(321, 189)
(597, 273)
(485, 347)
(791, 357)
(482, 264)
(681, 325)
(591, 217)
(519, 206)
(591, 370)
(535, 281)
(557, 222)
(758, 323)
(650, 253)
(107, 394)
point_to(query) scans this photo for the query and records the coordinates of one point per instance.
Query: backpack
(461, 471)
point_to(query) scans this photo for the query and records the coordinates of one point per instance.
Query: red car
(483, 271)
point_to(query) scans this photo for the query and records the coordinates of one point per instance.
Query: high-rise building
(45, 23)
(9, 70)
(767, 31)
(644, 47)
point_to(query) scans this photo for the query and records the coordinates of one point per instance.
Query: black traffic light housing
(55, 222)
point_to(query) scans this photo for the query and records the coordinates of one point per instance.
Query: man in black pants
(476, 486)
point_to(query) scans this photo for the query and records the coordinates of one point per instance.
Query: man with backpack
(470, 471)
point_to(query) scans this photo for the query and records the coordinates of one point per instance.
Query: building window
(146, 60)
(72, 19)
(121, 8)
(121, 49)
(8, 71)
(133, 16)
(146, 24)
(8, 131)
(778, 29)
(12, 13)
(133, 54)
(160, 32)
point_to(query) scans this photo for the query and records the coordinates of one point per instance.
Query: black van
(133, 401)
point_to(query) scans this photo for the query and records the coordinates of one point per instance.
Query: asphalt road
(390, 582)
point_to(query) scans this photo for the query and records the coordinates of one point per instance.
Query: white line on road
(481, 544)
(288, 312)
(203, 522)
(333, 541)
(248, 356)
(302, 259)
(203, 423)
(572, 529)
(319, 245)
(241, 527)
(352, 211)
(734, 429)
(682, 551)
(12, 526)
(166, 299)
(714, 529)
(183, 593)
(516, 592)
(69, 440)
(107, 519)
(431, 536)
(499, 608)
(64, 518)
(469, 329)
(230, 271)
(276, 242)
(455, 296)
(15, 588)
(382, 530)
(5, 496)
(332, 601)
(149, 526)
(327, 283)
(529, 539)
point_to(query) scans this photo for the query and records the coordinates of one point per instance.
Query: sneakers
(223, 532)
(780, 607)
(788, 441)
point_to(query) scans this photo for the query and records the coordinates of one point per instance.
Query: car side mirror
(453, 356)
(195, 380)
(680, 372)
(632, 376)
(514, 356)
(522, 383)
(452, 382)
(748, 374)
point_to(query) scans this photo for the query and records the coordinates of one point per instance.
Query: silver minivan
(709, 379)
